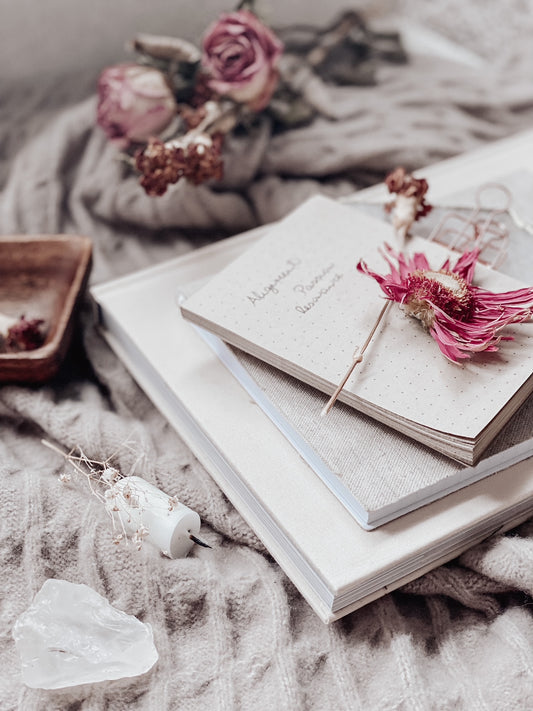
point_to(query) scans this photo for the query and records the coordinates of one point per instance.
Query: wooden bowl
(42, 277)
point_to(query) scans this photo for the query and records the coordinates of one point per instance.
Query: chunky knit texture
(232, 632)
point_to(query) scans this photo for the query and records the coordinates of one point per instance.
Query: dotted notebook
(295, 301)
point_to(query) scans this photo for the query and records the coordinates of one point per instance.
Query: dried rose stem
(357, 358)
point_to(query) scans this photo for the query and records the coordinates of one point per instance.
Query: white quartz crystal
(71, 635)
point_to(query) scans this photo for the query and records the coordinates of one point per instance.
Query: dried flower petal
(462, 318)
(25, 335)
(139, 536)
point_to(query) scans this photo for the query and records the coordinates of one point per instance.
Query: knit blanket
(231, 630)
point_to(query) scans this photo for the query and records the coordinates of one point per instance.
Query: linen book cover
(296, 301)
(377, 473)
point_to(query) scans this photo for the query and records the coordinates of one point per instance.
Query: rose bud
(134, 103)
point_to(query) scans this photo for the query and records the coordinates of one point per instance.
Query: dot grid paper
(296, 301)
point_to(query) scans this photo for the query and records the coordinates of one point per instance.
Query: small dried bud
(25, 335)
(172, 503)
(139, 535)
(410, 203)
(110, 475)
(403, 183)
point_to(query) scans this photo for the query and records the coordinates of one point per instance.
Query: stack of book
(431, 455)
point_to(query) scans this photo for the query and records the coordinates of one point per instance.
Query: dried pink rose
(462, 318)
(241, 55)
(134, 103)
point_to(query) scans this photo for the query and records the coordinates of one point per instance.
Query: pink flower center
(443, 289)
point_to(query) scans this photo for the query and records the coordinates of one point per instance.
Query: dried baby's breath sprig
(138, 537)
(102, 478)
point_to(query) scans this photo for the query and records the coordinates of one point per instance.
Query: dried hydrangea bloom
(198, 159)
(410, 202)
(463, 319)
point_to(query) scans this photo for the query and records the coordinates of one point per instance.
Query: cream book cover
(296, 301)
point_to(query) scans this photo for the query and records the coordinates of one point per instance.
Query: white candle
(148, 513)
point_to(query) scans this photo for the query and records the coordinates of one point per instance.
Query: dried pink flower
(25, 335)
(241, 56)
(410, 202)
(162, 164)
(134, 103)
(462, 318)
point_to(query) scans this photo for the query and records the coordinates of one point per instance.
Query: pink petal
(466, 265)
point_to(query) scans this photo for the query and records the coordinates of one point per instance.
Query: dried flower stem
(94, 472)
(126, 159)
(357, 358)
(217, 119)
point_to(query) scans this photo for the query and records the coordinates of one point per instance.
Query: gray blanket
(232, 632)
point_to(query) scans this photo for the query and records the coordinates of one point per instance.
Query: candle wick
(199, 541)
